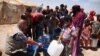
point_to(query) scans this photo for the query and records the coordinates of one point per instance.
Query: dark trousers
(19, 54)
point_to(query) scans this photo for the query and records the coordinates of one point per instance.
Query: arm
(61, 34)
(22, 37)
(30, 41)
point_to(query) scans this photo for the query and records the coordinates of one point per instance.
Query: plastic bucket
(94, 42)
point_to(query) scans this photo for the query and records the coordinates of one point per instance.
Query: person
(67, 35)
(57, 11)
(98, 34)
(48, 10)
(54, 22)
(66, 11)
(78, 19)
(98, 20)
(96, 28)
(91, 15)
(86, 32)
(0, 53)
(37, 18)
(45, 40)
(28, 17)
(16, 44)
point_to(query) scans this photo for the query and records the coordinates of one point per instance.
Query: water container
(94, 42)
(55, 48)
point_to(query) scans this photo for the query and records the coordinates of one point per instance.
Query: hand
(40, 44)
(69, 46)
(59, 41)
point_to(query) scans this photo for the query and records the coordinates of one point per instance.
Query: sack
(55, 48)
(94, 36)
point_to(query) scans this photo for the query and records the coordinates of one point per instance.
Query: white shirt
(68, 32)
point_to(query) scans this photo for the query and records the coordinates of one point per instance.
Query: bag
(55, 48)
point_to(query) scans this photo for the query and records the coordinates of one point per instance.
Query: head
(44, 12)
(65, 6)
(75, 9)
(82, 9)
(48, 7)
(28, 10)
(87, 23)
(92, 13)
(57, 8)
(62, 6)
(23, 17)
(68, 20)
(39, 9)
(22, 25)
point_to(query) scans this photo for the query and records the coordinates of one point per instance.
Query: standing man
(28, 18)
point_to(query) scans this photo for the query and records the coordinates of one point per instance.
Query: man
(17, 41)
(29, 20)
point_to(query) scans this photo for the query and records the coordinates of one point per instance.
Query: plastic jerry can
(55, 48)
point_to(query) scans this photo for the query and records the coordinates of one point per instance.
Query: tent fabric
(10, 10)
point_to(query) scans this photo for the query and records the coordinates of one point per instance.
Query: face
(68, 23)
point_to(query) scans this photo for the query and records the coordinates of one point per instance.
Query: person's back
(15, 42)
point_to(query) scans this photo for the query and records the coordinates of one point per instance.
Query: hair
(62, 5)
(75, 9)
(29, 9)
(23, 17)
(68, 18)
(87, 23)
(44, 12)
(65, 6)
(48, 6)
(57, 7)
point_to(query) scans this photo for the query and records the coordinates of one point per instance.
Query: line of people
(43, 26)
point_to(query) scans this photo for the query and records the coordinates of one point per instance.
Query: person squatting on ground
(17, 41)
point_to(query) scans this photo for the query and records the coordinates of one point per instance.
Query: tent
(10, 10)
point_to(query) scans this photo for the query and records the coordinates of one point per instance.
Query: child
(86, 34)
(66, 36)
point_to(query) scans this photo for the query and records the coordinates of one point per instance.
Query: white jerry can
(94, 42)
(55, 48)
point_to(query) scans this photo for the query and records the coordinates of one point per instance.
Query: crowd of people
(73, 29)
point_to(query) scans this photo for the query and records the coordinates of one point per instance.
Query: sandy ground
(6, 29)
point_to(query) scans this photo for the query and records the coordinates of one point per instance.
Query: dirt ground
(6, 29)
